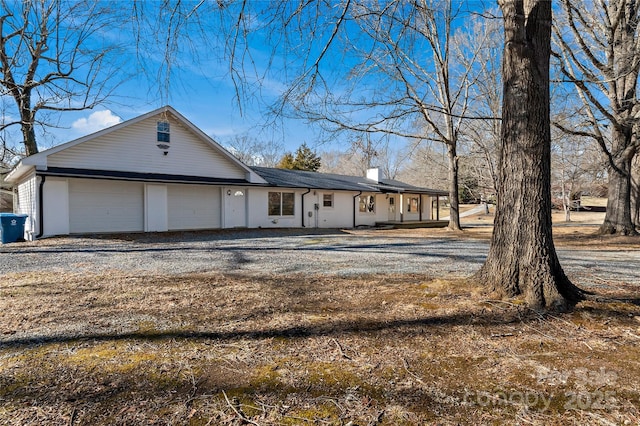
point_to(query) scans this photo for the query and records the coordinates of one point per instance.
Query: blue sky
(206, 99)
(201, 87)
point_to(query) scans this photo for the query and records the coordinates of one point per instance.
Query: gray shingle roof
(285, 178)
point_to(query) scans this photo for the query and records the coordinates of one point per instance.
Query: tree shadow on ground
(403, 327)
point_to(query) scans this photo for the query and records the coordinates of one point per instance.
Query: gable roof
(39, 161)
(259, 176)
(285, 178)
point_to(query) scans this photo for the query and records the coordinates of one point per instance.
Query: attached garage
(158, 172)
(105, 206)
(193, 207)
(154, 173)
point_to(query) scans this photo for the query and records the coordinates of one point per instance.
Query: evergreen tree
(305, 159)
(287, 162)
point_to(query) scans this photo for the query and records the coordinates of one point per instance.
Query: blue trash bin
(12, 227)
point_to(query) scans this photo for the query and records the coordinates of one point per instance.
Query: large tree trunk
(454, 210)
(618, 219)
(635, 191)
(522, 259)
(622, 97)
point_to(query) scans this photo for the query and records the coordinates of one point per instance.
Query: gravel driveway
(313, 252)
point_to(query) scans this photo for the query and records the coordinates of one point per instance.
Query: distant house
(158, 172)
(6, 200)
(6, 195)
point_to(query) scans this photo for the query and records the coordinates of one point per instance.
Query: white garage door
(105, 206)
(193, 207)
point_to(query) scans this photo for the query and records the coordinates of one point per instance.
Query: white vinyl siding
(193, 207)
(134, 149)
(26, 197)
(105, 206)
(27, 202)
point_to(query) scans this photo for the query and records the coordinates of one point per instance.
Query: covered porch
(412, 208)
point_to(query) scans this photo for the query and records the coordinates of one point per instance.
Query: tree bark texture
(454, 196)
(522, 259)
(27, 118)
(618, 219)
(635, 191)
(623, 82)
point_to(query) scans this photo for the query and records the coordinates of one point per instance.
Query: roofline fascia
(156, 179)
(388, 189)
(314, 188)
(19, 171)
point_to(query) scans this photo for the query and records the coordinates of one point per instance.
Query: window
(367, 203)
(164, 132)
(287, 203)
(275, 203)
(412, 204)
(281, 203)
(327, 200)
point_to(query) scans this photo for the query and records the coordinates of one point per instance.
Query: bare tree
(480, 139)
(522, 258)
(402, 75)
(571, 160)
(365, 152)
(421, 87)
(254, 152)
(428, 166)
(599, 53)
(53, 58)
(476, 182)
(389, 154)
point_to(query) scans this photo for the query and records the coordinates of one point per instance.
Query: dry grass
(377, 350)
(580, 232)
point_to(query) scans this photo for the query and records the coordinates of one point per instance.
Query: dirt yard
(84, 343)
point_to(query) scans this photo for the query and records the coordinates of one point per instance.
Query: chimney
(374, 174)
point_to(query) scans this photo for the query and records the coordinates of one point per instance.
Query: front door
(236, 211)
(392, 208)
